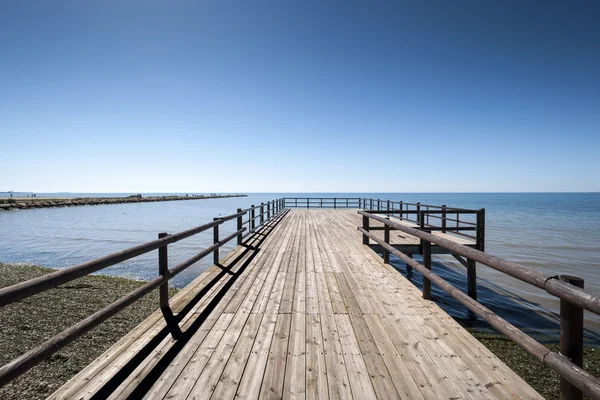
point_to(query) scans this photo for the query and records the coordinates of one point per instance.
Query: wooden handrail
(31, 287)
(549, 283)
(34, 356)
(578, 377)
(448, 210)
(34, 286)
(322, 202)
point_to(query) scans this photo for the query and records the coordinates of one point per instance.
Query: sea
(555, 233)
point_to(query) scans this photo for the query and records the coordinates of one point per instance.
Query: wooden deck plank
(358, 374)
(316, 371)
(279, 262)
(187, 379)
(272, 382)
(338, 382)
(234, 368)
(337, 377)
(312, 314)
(294, 386)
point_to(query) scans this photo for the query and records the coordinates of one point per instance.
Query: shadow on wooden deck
(252, 249)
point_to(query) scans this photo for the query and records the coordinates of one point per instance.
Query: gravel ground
(33, 320)
(539, 377)
(27, 323)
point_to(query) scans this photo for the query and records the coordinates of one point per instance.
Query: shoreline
(23, 326)
(24, 203)
(27, 323)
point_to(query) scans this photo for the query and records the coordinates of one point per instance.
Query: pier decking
(301, 310)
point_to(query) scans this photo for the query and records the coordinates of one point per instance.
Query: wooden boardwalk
(302, 310)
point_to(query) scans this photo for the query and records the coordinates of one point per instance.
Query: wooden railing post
(334, 202)
(386, 239)
(262, 213)
(239, 226)
(216, 240)
(378, 204)
(163, 267)
(419, 213)
(163, 291)
(480, 236)
(252, 217)
(268, 210)
(472, 278)
(443, 218)
(346, 202)
(366, 228)
(421, 227)
(371, 205)
(571, 338)
(401, 216)
(308, 202)
(296, 199)
(426, 264)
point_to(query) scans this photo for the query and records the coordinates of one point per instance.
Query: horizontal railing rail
(405, 211)
(322, 202)
(422, 215)
(34, 286)
(567, 363)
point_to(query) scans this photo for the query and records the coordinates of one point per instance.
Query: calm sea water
(557, 233)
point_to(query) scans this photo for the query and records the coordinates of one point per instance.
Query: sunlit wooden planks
(311, 314)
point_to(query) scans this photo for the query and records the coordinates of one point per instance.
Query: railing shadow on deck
(265, 213)
(251, 251)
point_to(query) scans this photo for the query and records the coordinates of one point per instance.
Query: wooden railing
(468, 223)
(568, 363)
(322, 202)
(257, 216)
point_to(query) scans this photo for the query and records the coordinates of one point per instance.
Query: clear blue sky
(145, 96)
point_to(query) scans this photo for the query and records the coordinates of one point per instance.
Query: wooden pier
(302, 309)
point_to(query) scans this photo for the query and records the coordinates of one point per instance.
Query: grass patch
(537, 375)
(28, 323)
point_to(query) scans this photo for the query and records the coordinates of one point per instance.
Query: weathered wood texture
(305, 312)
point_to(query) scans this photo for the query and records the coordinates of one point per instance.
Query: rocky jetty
(10, 203)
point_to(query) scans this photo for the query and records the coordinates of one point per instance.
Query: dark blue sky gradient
(300, 96)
